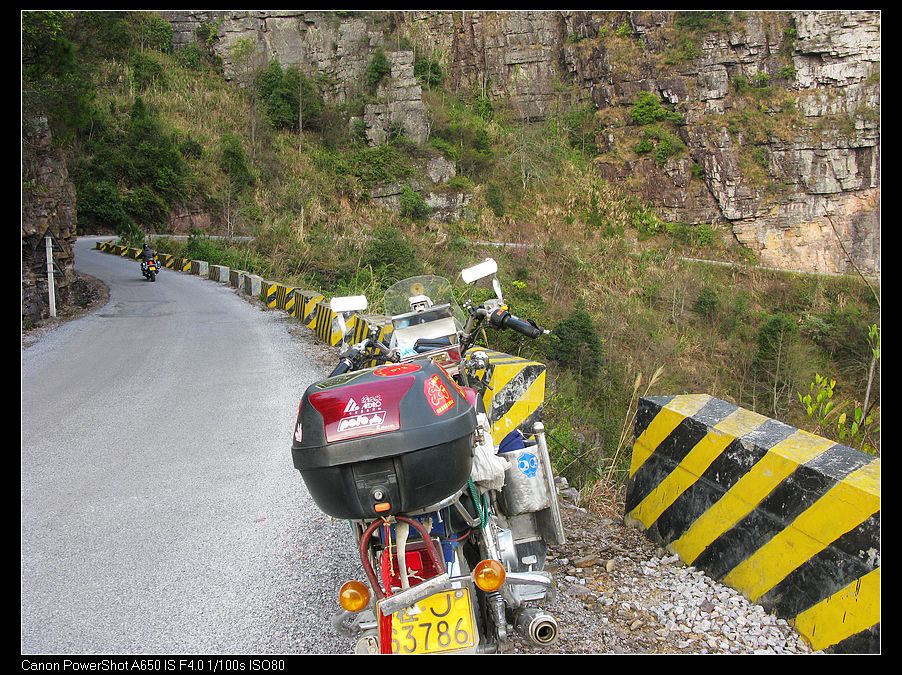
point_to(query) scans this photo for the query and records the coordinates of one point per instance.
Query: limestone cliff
(780, 110)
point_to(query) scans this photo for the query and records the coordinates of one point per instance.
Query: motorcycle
(150, 268)
(451, 524)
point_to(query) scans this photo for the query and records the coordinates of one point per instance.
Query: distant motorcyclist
(147, 253)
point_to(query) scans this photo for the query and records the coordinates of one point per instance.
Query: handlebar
(342, 367)
(501, 318)
(368, 349)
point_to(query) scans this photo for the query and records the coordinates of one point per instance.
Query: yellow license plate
(443, 623)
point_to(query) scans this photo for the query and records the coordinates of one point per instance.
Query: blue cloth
(513, 441)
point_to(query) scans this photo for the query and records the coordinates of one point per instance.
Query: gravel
(617, 592)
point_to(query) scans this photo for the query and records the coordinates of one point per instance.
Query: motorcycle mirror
(496, 285)
(476, 272)
(348, 303)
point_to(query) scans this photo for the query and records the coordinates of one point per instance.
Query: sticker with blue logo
(528, 464)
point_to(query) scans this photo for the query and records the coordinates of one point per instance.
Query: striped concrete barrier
(515, 393)
(219, 273)
(790, 519)
(277, 295)
(307, 314)
(253, 285)
(236, 278)
(200, 267)
(326, 326)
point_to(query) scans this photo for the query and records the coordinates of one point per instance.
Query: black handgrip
(501, 318)
(342, 367)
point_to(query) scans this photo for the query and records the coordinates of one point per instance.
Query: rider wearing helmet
(147, 252)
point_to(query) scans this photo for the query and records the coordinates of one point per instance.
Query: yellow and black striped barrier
(515, 393)
(790, 519)
(326, 325)
(308, 313)
(278, 295)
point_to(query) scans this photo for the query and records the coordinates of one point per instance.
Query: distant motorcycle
(149, 268)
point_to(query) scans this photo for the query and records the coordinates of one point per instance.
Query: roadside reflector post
(51, 288)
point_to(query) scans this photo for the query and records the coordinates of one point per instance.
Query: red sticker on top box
(396, 369)
(437, 395)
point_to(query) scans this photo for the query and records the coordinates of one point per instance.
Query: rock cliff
(779, 110)
(48, 207)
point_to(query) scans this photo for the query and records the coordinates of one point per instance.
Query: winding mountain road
(160, 510)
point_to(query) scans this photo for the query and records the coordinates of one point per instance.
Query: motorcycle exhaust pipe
(536, 626)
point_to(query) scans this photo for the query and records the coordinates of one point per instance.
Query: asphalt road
(161, 512)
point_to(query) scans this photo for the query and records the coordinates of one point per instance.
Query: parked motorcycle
(451, 529)
(149, 268)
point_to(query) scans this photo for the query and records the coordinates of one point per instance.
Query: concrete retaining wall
(790, 519)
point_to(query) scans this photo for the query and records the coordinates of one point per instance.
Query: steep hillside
(775, 124)
(360, 148)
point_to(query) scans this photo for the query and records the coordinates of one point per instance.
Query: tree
(576, 345)
(233, 163)
(242, 51)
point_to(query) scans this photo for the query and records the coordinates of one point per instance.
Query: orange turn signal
(354, 596)
(489, 575)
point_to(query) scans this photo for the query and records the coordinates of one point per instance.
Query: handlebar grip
(504, 319)
(342, 367)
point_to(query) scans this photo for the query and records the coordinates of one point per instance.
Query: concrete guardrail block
(790, 519)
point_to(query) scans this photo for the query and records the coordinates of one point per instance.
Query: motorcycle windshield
(437, 289)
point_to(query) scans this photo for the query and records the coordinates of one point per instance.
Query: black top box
(386, 440)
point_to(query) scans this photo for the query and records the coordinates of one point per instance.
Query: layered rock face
(48, 207)
(780, 109)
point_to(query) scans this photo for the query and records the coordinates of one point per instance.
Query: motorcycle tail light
(489, 575)
(354, 596)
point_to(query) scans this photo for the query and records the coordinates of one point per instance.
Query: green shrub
(190, 148)
(190, 57)
(644, 219)
(707, 302)
(151, 31)
(147, 71)
(372, 166)
(233, 161)
(284, 93)
(576, 345)
(99, 205)
(483, 106)
(647, 109)
(413, 205)
(704, 234)
(495, 199)
(662, 143)
(428, 72)
(787, 72)
(358, 130)
(147, 208)
(776, 333)
(704, 22)
(377, 68)
(391, 255)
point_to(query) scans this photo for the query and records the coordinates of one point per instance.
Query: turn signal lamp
(489, 575)
(354, 596)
